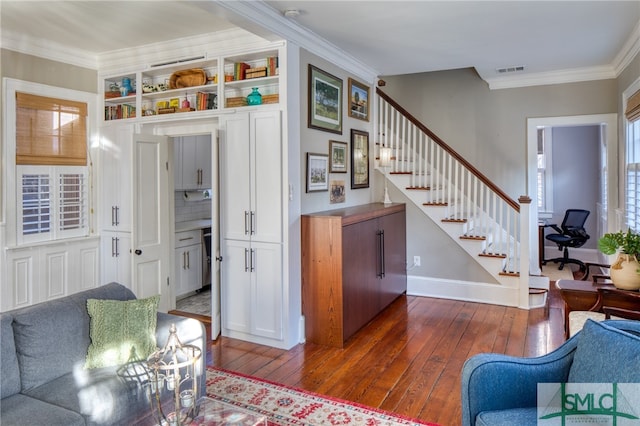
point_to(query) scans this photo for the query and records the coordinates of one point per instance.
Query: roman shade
(632, 113)
(50, 131)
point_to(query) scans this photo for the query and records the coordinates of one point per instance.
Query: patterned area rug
(284, 405)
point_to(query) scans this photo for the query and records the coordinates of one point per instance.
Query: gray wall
(488, 127)
(317, 141)
(38, 70)
(576, 175)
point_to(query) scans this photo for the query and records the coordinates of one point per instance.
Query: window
(51, 168)
(53, 203)
(632, 173)
(545, 181)
(50, 131)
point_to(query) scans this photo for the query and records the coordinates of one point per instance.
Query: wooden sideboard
(354, 264)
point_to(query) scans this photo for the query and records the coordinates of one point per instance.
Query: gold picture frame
(358, 100)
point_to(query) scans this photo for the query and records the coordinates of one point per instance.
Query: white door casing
(151, 232)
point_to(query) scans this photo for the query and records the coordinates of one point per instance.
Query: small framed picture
(338, 157)
(359, 159)
(337, 194)
(325, 101)
(358, 100)
(317, 172)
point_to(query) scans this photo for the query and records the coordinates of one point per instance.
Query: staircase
(475, 213)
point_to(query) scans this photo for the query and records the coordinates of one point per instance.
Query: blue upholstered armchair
(502, 390)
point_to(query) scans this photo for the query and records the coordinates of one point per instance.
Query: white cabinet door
(266, 289)
(115, 177)
(235, 291)
(251, 184)
(116, 258)
(235, 187)
(188, 264)
(252, 296)
(192, 156)
(266, 170)
(203, 160)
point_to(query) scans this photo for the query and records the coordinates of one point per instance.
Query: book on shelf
(239, 70)
(272, 65)
(236, 101)
(205, 100)
(256, 72)
(117, 112)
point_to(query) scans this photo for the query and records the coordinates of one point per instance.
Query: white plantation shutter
(36, 204)
(72, 196)
(54, 202)
(632, 173)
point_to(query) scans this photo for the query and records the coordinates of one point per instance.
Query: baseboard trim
(468, 291)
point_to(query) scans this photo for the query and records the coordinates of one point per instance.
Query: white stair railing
(448, 180)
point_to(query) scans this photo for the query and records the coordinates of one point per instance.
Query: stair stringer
(505, 291)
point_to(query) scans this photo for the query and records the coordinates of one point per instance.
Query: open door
(150, 231)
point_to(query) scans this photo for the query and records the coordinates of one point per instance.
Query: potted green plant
(625, 271)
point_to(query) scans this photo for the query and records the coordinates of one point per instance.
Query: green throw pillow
(117, 326)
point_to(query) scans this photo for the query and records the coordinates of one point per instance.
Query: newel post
(525, 249)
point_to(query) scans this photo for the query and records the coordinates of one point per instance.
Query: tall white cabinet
(115, 181)
(251, 192)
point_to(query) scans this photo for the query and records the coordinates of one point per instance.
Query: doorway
(606, 169)
(194, 209)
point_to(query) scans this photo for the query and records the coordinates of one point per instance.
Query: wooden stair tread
(497, 255)
(473, 237)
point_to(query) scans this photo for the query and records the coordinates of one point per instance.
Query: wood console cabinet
(353, 266)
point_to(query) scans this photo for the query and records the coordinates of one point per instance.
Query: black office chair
(570, 234)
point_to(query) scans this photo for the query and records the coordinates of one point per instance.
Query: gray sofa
(42, 357)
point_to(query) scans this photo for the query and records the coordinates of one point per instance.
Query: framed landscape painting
(317, 172)
(325, 101)
(359, 159)
(358, 100)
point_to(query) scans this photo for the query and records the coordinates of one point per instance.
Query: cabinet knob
(219, 258)
(138, 252)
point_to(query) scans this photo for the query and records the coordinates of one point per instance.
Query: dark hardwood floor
(408, 359)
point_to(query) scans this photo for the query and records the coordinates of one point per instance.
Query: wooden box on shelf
(112, 94)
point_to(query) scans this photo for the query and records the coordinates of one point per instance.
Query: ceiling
(575, 39)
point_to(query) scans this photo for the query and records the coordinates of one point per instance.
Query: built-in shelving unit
(216, 83)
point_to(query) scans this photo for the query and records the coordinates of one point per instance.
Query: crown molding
(553, 77)
(628, 52)
(48, 50)
(267, 17)
(207, 45)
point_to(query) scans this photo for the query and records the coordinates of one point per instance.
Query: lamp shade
(385, 156)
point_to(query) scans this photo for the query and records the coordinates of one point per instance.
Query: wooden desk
(578, 296)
